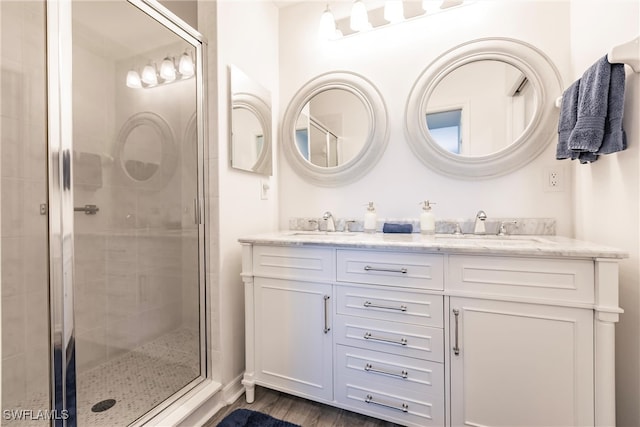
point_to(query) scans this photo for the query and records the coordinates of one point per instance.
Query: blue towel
(590, 122)
(567, 121)
(390, 227)
(593, 104)
(615, 138)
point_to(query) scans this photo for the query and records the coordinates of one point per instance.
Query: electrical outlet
(554, 179)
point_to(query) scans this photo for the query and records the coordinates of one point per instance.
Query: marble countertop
(526, 245)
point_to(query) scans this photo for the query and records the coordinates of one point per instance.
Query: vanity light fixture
(328, 28)
(168, 70)
(394, 11)
(150, 75)
(133, 80)
(185, 66)
(359, 18)
(431, 6)
(169, 73)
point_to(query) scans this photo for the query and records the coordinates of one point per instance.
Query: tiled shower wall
(23, 187)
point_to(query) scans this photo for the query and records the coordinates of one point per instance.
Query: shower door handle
(87, 209)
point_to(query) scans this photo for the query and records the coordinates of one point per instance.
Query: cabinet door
(516, 364)
(293, 337)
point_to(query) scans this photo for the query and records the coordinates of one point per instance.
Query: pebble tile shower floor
(138, 381)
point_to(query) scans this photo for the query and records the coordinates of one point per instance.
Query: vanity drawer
(285, 262)
(539, 278)
(403, 269)
(392, 304)
(402, 339)
(419, 405)
(412, 377)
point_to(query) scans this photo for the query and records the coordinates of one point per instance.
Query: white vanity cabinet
(428, 335)
(522, 341)
(519, 364)
(289, 315)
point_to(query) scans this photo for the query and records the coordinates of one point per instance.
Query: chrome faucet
(479, 227)
(328, 217)
(502, 229)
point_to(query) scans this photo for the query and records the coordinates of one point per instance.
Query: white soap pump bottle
(370, 219)
(427, 218)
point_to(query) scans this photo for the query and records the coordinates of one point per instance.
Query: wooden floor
(298, 411)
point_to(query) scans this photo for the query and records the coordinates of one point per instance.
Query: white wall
(248, 38)
(393, 58)
(607, 192)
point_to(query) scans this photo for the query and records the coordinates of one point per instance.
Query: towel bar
(625, 53)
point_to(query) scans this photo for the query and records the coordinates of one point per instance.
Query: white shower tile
(91, 349)
(36, 256)
(14, 374)
(13, 313)
(33, 222)
(13, 262)
(10, 143)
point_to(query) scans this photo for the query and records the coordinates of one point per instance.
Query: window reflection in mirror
(332, 128)
(493, 104)
(445, 127)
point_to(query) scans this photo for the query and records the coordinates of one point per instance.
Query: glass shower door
(137, 287)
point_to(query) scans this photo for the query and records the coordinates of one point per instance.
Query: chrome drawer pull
(368, 336)
(369, 304)
(327, 328)
(369, 368)
(456, 347)
(388, 270)
(403, 408)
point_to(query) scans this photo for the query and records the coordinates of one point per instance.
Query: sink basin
(322, 233)
(501, 240)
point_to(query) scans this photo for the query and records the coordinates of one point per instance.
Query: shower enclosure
(102, 224)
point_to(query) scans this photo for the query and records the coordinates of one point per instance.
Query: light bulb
(450, 3)
(431, 6)
(185, 67)
(327, 28)
(167, 70)
(133, 79)
(359, 19)
(393, 11)
(149, 75)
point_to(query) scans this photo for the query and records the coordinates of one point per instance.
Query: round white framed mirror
(146, 150)
(335, 129)
(483, 108)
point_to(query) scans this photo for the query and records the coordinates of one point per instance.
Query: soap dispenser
(427, 218)
(370, 219)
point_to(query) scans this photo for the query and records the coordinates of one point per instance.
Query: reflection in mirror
(473, 119)
(250, 124)
(332, 128)
(142, 152)
(147, 152)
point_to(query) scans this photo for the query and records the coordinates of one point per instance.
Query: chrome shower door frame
(60, 209)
